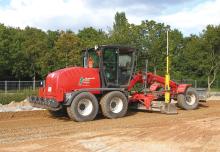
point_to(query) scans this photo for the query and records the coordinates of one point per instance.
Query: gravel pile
(17, 106)
(214, 98)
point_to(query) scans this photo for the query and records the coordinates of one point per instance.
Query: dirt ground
(139, 131)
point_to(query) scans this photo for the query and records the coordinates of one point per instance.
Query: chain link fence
(17, 90)
(200, 83)
(18, 86)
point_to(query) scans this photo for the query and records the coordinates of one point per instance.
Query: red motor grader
(106, 83)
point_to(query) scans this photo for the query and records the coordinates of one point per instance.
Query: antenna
(145, 77)
(167, 52)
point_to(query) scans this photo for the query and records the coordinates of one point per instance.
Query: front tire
(114, 104)
(84, 107)
(189, 100)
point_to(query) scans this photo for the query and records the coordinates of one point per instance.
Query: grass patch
(18, 96)
(215, 89)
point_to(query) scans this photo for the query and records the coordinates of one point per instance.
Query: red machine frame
(155, 82)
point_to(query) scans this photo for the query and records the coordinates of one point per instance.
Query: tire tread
(104, 105)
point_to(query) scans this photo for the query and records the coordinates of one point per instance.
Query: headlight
(49, 89)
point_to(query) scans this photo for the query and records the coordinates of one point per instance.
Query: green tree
(154, 44)
(194, 58)
(67, 50)
(5, 40)
(10, 52)
(91, 37)
(211, 38)
(120, 33)
(202, 55)
(176, 47)
(48, 59)
(34, 46)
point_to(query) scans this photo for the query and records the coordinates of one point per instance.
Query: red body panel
(156, 81)
(69, 79)
(182, 88)
(146, 99)
(151, 80)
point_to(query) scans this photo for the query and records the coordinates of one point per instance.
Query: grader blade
(168, 108)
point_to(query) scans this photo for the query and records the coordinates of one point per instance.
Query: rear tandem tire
(114, 104)
(84, 107)
(189, 100)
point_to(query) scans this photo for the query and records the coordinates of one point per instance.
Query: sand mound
(17, 106)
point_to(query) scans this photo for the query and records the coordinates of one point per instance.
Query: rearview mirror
(96, 47)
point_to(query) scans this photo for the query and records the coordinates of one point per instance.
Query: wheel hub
(116, 105)
(85, 107)
(82, 107)
(113, 105)
(190, 99)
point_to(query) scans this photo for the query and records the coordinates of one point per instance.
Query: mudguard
(182, 88)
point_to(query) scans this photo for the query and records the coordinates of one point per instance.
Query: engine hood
(70, 79)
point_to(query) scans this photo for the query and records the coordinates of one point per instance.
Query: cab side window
(125, 65)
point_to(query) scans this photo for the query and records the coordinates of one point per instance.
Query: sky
(188, 16)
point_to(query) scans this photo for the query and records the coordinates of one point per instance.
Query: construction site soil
(139, 131)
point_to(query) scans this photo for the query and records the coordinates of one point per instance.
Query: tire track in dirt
(197, 130)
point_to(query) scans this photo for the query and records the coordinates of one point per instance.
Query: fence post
(19, 85)
(6, 87)
(34, 84)
(195, 83)
(217, 84)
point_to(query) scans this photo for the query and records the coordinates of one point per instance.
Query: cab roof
(122, 48)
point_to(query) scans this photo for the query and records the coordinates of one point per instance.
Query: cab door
(110, 66)
(125, 68)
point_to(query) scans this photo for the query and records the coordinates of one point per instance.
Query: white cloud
(52, 14)
(194, 20)
(76, 14)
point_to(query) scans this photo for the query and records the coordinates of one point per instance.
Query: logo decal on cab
(84, 81)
